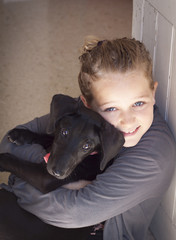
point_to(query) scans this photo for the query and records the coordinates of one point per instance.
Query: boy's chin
(131, 143)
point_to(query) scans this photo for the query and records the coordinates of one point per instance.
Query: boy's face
(126, 101)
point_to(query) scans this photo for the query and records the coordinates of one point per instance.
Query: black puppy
(82, 145)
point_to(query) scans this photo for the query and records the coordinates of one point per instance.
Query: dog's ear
(60, 106)
(112, 141)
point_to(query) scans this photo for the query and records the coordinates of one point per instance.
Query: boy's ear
(155, 86)
(154, 90)
(84, 101)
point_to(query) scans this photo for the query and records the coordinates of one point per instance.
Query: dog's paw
(3, 156)
(14, 136)
(2, 170)
(6, 161)
(19, 136)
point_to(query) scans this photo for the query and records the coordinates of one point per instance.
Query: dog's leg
(24, 136)
(37, 175)
(33, 173)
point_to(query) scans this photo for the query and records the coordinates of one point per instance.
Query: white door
(154, 23)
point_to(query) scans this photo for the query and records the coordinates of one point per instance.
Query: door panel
(154, 23)
(149, 28)
(162, 63)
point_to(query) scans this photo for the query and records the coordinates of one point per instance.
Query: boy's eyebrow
(107, 103)
(140, 97)
(143, 96)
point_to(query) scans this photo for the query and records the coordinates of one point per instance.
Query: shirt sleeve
(139, 173)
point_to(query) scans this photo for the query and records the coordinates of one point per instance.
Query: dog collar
(93, 153)
(46, 157)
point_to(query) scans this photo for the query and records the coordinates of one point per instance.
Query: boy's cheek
(109, 118)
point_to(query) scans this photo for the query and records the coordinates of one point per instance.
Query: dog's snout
(56, 173)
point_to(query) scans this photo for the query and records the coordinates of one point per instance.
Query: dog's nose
(56, 173)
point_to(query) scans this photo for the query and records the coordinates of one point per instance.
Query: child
(116, 81)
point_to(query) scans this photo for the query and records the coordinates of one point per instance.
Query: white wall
(154, 23)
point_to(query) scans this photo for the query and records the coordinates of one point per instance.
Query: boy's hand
(77, 185)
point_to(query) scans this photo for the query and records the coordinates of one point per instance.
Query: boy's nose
(126, 118)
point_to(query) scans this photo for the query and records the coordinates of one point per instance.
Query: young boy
(116, 81)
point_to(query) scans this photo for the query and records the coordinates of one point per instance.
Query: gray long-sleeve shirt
(126, 195)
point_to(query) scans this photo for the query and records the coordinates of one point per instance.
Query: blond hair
(119, 55)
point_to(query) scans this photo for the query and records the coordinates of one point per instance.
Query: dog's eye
(64, 131)
(87, 146)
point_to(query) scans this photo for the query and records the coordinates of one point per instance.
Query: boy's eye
(111, 109)
(138, 104)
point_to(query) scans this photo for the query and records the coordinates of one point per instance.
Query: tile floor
(40, 44)
(39, 49)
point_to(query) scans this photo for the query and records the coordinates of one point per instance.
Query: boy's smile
(126, 101)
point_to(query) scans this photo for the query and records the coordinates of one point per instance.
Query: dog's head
(79, 132)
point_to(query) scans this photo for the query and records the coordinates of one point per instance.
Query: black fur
(71, 127)
(74, 133)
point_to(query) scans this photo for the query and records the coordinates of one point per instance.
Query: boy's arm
(28, 152)
(140, 173)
